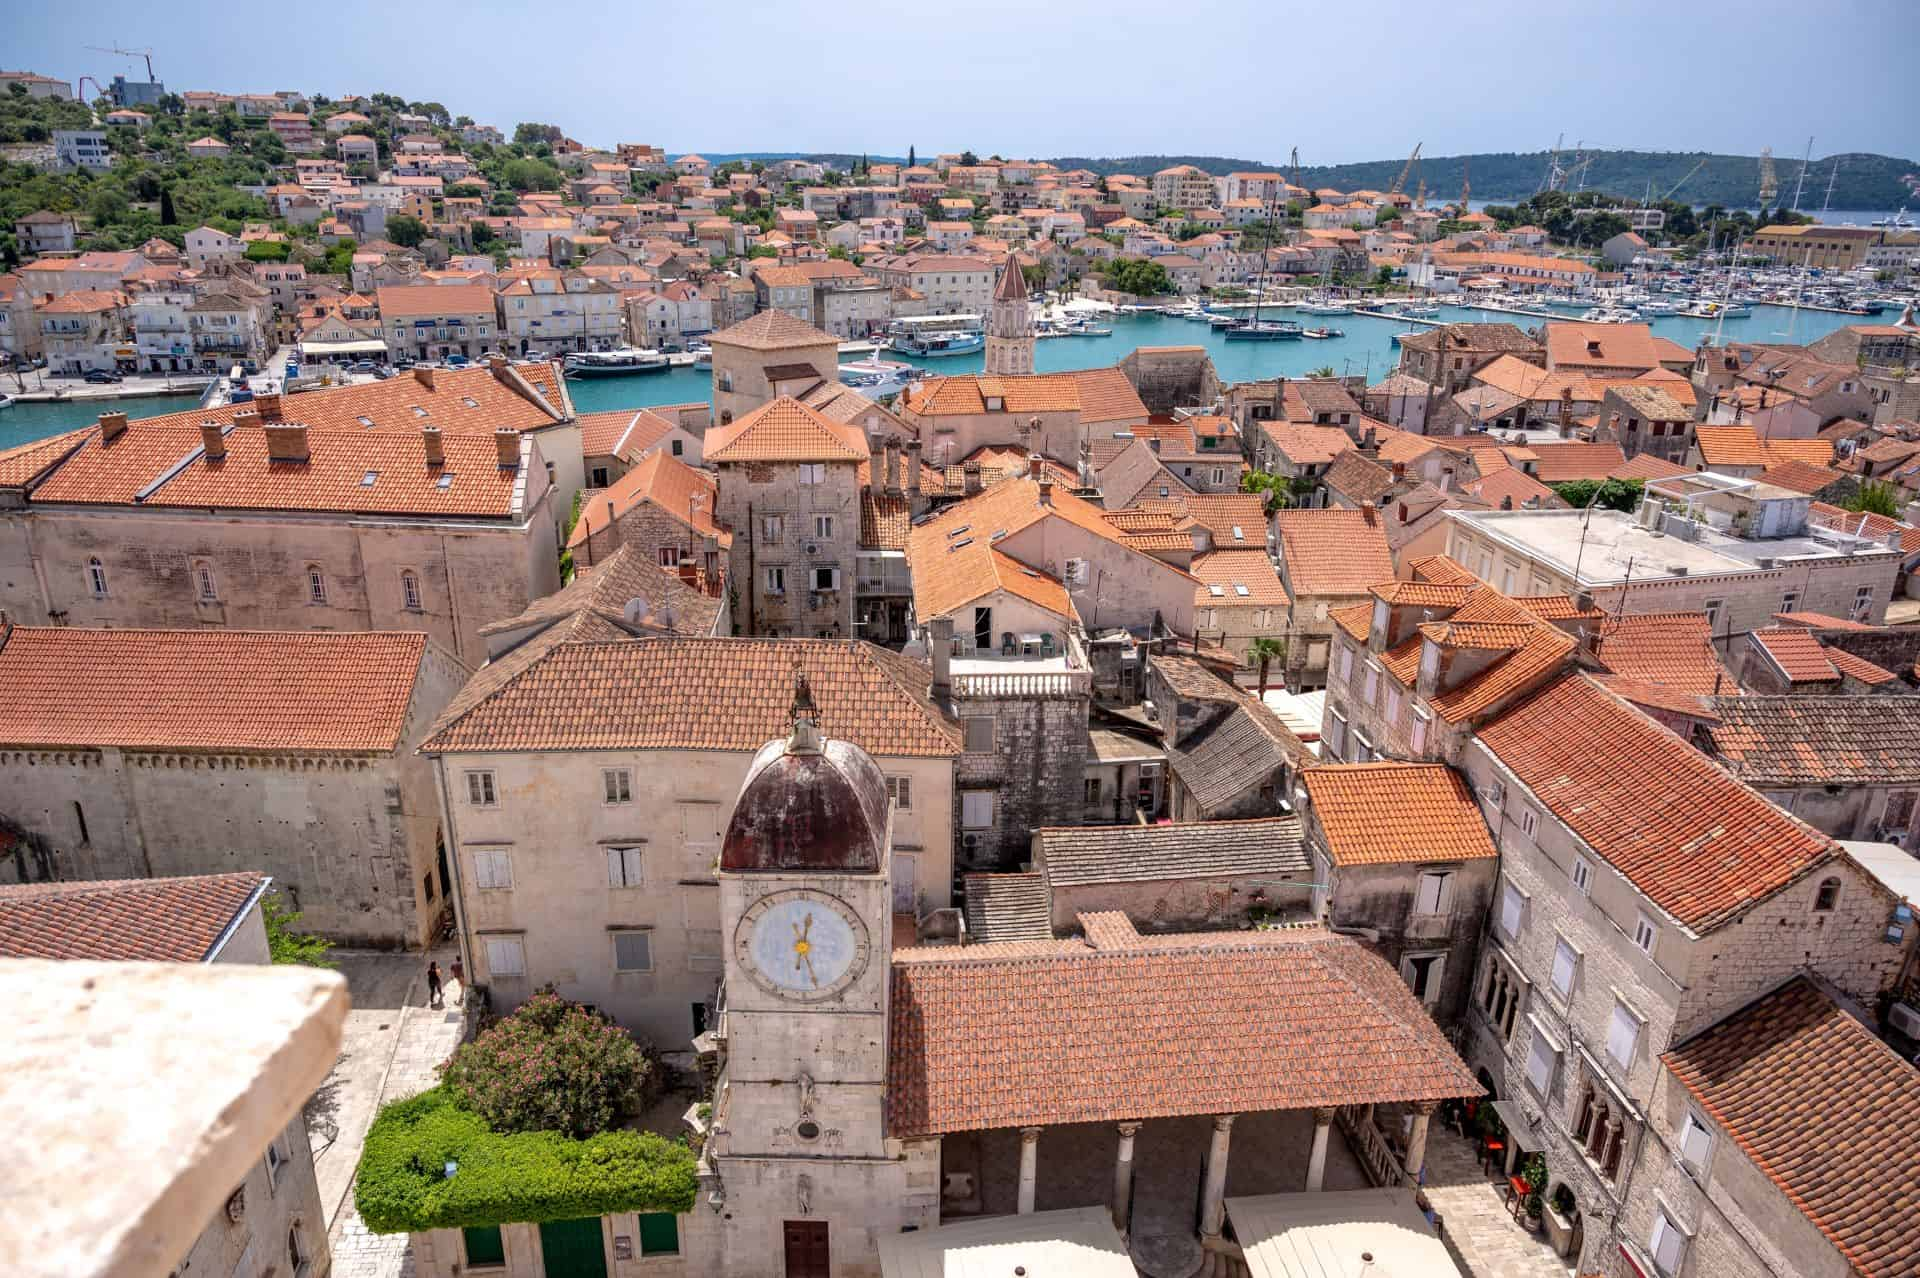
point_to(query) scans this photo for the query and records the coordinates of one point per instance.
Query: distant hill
(1865, 181)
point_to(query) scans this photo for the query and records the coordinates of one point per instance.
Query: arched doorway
(1565, 1225)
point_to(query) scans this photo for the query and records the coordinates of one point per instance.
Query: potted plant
(1533, 1174)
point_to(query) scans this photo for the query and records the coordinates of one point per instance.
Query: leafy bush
(1613, 494)
(402, 1185)
(286, 945)
(552, 1066)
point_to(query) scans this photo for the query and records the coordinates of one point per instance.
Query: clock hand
(811, 974)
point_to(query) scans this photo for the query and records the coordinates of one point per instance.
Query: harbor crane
(1698, 165)
(1769, 181)
(1466, 184)
(1296, 168)
(1400, 183)
(130, 53)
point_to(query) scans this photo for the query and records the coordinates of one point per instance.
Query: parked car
(101, 376)
(456, 361)
(363, 366)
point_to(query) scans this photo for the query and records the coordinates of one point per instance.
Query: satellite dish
(636, 610)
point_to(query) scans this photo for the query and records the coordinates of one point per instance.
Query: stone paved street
(1484, 1238)
(393, 1043)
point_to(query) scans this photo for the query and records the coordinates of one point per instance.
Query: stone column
(1029, 1167)
(1213, 1207)
(1123, 1175)
(1317, 1158)
(1417, 1140)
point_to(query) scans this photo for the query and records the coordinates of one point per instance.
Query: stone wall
(1037, 771)
(1180, 905)
(1171, 377)
(272, 1205)
(1381, 897)
(751, 492)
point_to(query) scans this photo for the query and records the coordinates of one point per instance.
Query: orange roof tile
(1644, 466)
(1237, 578)
(677, 490)
(1332, 551)
(23, 463)
(773, 331)
(1381, 813)
(163, 920)
(1671, 648)
(784, 430)
(1561, 462)
(1801, 657)
(1699, 844)
(215, 690)
(1576, 346)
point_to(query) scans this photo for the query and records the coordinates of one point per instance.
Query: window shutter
(1693, 1144)
(615, 872)
(630, 858)
(1622, 1033)
(505, 957)
(1540, 1063)
(1511, 904)
(1666, 1244)
(1564, 963)
(1419, 732)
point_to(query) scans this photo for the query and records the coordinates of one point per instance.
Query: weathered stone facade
(789, 528)
(1035, 766)
(1170, 377)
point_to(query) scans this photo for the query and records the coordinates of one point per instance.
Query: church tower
(799, 1169)
(1010, 327)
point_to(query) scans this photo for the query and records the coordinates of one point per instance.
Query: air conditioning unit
(812, 548)
(969, 841)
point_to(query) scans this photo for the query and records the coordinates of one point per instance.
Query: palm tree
(1267, 651)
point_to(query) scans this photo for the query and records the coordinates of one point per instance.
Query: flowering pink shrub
(551, 1066)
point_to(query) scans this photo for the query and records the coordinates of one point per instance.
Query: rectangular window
(485, 1248)
(1583, 876)
(1862, 603)
(1513, 904)
(771, 528)
(900, 790)
(1336, 734)
(1623, 1035)
(1667, 1244)
(774, 578)
(812, 473)
(1372, 685)
(203, 579)
(976, 809)
(1790, 601)
(659, 1233)
(1644, 933)
(1541, 1059)
(1566, 964)
(1393, 706)
(1420, 720)
(979, 734)
(618, 783)
(506, 956)
(1713, 610)
(623, 867)
(480, 792)
(316, 586)
(493, 869)
(1696, 1142)
(1346, 664)
(1434, 893)
(1529, 823)
(823, 525)
(669, 556)
(826, 579)
(632, 952)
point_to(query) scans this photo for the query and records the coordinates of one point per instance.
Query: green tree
(528, 134)
(1265, 651)
(1611, 494)
(339, 259)
(969, 159)
(1383, 278)
(405, 230)
(1138, 276)
(552, 1066)
(1875, 498)
(1035, 276)
(268, 251)
(284, 943)
(1324, 371)
(912, 162)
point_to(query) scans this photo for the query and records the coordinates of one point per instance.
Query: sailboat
(1256, 329)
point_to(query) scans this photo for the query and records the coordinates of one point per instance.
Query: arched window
(1828, 896)
(97, 578)
(410, 591)
(204, 586)
(316, 584)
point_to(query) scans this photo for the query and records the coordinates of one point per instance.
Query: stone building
(1047, 413)
(664, 509)
(750, 357)
(1448, 356)
(1010, 326)
(1171, 377)
(422, 503)
(789, 493)
(274, 1216)
(1849, 766)
(1171, 877)
(1644, 894)
(291, 754)
(1329, 559)
(643, 784)
(1401, 854)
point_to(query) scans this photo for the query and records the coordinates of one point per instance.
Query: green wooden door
(573, 1248)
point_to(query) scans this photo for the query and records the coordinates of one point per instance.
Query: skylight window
(445, 480)
(364, 421)
(964, 541)
(956, 532)
(1237, 534)
(367, 480)
(470, 401)
(1216, 590)
(419, 411)
(1239, 589)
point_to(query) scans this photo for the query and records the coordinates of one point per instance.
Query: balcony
(1042, 664)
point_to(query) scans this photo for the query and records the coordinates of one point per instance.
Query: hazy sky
(1245, 78)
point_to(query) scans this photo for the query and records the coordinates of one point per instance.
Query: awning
(320, 350)
(1080, 1241)
(1334, 1234)
(1522, 1129)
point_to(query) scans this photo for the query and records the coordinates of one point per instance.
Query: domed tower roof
(808, 803)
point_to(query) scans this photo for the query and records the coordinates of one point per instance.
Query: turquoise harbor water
(1366, 350)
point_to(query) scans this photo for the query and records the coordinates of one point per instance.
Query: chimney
(970, 478)
(507, 443)
(940, 632)
(1403, 512)
(913, 473)
(111, 426)
(893, 467)
(690, 572)
(1046, 492)
(1034, 469)
(423, 374)
(1506, 503)
(286, 441)
(1202, 539)
(1399, 471)
(436, 447)
(497, 365)
(1086, 464)
(268, 406)
(876, 467)
(213, 444)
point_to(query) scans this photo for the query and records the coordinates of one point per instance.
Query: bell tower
(797, 1157)
(1010, 327)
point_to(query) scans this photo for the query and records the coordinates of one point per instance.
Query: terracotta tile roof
(784, 430)
(602, 433)
(1073, 856)
(1741, 446)
(1237, 753)
(1699, 844)
(1580, 346)
(166, 920)
(1135, 470)
(1821, 621)
(1807, 740)
(1506, 483)
(427, 300)
(1671, 648)
(1870, 525)
(1651, 401)
(597, 602)
(1308, 445)
(1192, 679)
(967, 394)
(677, 490)
(23, 463)
(1384, 813)
(213, 690)
(1332, 551)
(1798, 653)
(1824, 1110)
(1559, 463)
(1107, 396)
(773, 331)
(1359, 480)
(1223, 512)
(885, 520)
(1486, 621)
(1658, 696)
(1645, 466)
(1441, 570)
(692, 694)
(1558, 608)
(1855, 667)
(1008, 907)
(1356, 620)
(1244, 578)
(1121, 1026)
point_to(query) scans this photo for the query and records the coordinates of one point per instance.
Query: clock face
(801, 945)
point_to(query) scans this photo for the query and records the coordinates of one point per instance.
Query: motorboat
(933, 336)
(1609, 315)
(614, 363)
(1322, 306)
(877, 378)
(703, 356)
(1398, 337)
(1420, 310)
(1321, 334)
(1658, 307)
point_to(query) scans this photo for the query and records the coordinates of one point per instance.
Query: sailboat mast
(1800, 185)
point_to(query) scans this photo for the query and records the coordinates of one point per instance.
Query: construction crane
(130, 53)
(1466, 184)
(1700, 164)
(1400, 183)
(1296, 168)
(1769, 181)
(1420, 195)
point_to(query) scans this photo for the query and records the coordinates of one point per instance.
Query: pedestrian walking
(433, 985)
(460, 979)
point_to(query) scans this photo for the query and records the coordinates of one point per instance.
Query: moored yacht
(614, 363)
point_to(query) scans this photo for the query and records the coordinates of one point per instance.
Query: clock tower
(799, 1165)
